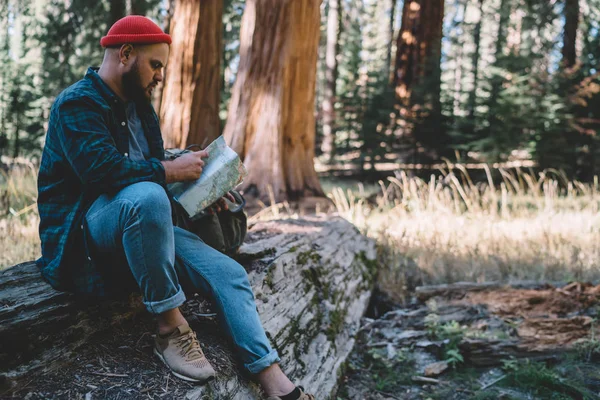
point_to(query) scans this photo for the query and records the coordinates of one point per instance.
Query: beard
(133, 87)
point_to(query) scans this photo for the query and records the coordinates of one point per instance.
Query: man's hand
(221, 204)
(187, 167)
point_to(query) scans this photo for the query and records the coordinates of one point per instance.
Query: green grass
(548, 383)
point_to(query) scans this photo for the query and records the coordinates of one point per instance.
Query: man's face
(145, 72)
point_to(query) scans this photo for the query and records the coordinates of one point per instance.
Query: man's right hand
(187, 167)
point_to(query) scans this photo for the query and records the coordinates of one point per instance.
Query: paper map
(223, 171)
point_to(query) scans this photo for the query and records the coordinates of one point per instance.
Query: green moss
(299, 338)
(313, 277)
(306, 256)
(336, 323)
(269, 276)
(371, 267)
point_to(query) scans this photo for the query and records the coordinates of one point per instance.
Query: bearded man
(106, 221)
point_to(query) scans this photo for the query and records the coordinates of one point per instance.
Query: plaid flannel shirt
(86, 155)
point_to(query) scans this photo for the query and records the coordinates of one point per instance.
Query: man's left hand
(221, 204)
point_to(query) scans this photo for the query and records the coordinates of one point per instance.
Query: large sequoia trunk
(417, 76)
(271, 122)
(419, 46)
(312, 281)
(189, 108)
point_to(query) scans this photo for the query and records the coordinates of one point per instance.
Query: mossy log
(312, 280)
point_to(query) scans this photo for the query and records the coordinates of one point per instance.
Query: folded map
(223, 170)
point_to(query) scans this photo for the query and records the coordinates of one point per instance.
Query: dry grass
(19, 239)
(523, 227)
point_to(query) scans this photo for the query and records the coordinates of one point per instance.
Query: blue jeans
(135, 227)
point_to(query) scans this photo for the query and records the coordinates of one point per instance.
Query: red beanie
(134, 29)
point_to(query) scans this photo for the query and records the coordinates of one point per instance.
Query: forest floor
(503, 343)
(511, 343)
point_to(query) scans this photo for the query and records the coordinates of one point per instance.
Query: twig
(378, 344)
(205, 315)
(493, 382)
(109, 374)
(140, 339)
(423, 379)
(22, 211)
(166, 389)
(387, 394)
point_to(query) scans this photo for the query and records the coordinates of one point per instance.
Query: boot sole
(185, 378)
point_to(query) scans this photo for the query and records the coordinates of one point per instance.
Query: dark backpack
(224, 231)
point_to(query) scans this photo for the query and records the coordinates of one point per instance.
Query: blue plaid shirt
(85, 155)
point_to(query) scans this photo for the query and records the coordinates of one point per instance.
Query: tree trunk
(569, 52)
(139, 7)
(271, 121)
(17, 141)
(472, 104)
(117, 11)
(418, 49)
(166, 23)
(310, 300)
(390, 40)
(499, 62)
(458, 62)
(418, 57)
(189, 111)
(331, 65)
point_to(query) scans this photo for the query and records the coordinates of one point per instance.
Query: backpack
(224, 231)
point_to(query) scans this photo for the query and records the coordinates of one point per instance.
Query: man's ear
(125, 52)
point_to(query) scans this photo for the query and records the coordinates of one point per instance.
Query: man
(106, 216)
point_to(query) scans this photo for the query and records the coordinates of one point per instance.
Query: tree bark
(271, 122)
(419, 44)
(331, 65)
(418, 57)
(189, 111)
(569, 51)
(310, 300)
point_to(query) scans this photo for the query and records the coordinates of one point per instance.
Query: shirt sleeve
(91, 150)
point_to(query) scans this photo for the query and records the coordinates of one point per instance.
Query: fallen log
(493, 352)
(459, 289)
(312, 280)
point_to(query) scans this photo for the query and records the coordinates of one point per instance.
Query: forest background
(461, 134)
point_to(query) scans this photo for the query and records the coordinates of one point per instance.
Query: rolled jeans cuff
(262, 363)
(159, 307)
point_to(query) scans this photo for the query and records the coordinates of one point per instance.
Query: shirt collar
(104, 90)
